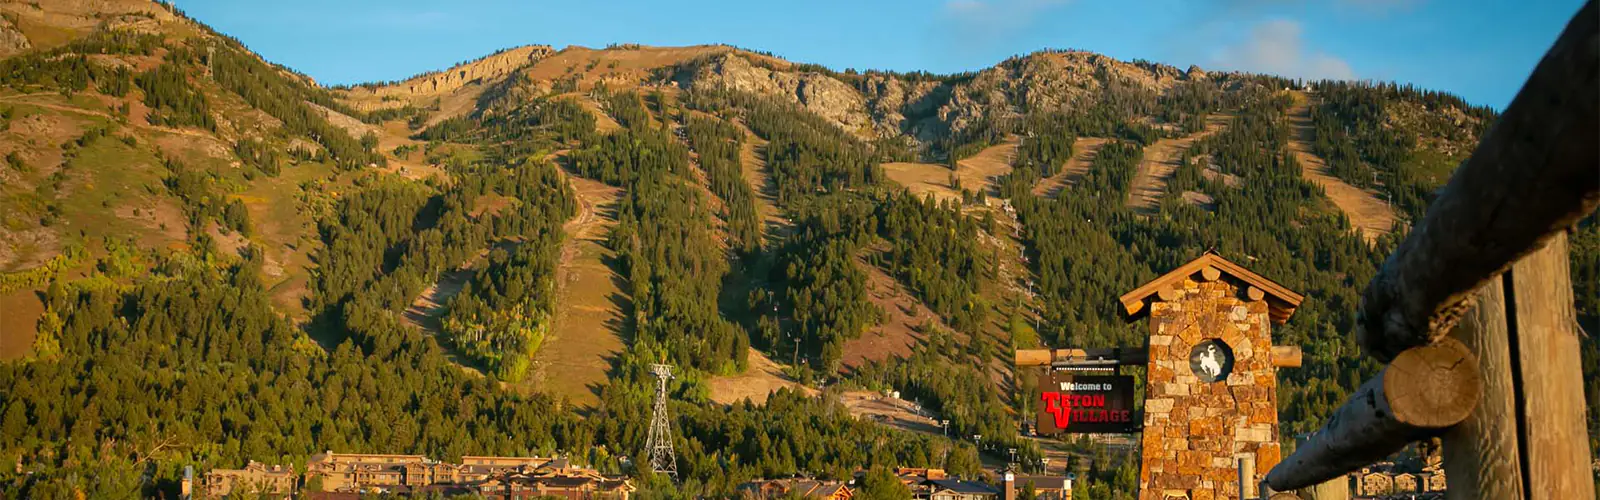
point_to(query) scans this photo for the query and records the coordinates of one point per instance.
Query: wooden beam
(1048, 357)
(1286, 356)
(1034, 357)
(1480, 455)
(1133, 307)
(1534, 173)
(1421, 393)
(1544, 331)
(1282, 300)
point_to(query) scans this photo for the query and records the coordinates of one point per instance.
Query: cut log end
(1167, 294)
(1423, 392)
(1286, 356)
(1433, 386)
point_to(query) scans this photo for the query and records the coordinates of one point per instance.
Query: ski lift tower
(663, 460)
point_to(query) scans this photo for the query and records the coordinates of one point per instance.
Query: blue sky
(1482, 50)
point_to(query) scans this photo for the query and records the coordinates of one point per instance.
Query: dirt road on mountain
(1370, 215)
(1083, 151)
(590, 322)
(1160, 161)
(760, 380)
(978, 172)
(753, 161)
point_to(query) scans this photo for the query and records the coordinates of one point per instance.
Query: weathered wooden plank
(1545, 333)
(1287, 356)
(1333, 489)
(1480, 455)
(1421, 393)
(1536, 172)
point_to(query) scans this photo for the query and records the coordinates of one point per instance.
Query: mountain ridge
(558, 220)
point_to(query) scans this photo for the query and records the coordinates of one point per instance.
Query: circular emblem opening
(1211, 360)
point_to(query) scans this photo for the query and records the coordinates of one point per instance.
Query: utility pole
(663, 460)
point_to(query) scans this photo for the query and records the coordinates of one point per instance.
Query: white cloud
(1276, 47)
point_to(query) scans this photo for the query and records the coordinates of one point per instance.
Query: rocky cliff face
(488, 68)
(11, 40)
(1049, 81)
(905, 106)
(878, 105)
(817, 93)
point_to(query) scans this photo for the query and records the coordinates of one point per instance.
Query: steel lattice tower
(663, 460)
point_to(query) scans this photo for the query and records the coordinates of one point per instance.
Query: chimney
(1011, 486)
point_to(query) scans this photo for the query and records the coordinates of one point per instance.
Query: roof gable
(1280, 300)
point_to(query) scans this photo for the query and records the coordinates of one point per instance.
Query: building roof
(808, 488)
(1281, 301)
(1042, 482)
(964, 486)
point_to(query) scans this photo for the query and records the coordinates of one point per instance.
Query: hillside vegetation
(209, 258)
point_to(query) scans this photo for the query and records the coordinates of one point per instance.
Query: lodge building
(339, 475)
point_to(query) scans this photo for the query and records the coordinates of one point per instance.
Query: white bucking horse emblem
(1211, 362)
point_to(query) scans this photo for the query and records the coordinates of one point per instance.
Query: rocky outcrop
(11, 40)
(1045, 82)
(896, 104)
(816, 92)
(489, 67)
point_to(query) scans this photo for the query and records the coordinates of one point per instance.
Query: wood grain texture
(1287, 356)
(1536, 172)
(1424, 391)
(1556, 436)
(1480, 455)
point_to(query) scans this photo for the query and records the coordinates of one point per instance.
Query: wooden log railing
(1424, 391)
(1283, 356)
(1534, 175)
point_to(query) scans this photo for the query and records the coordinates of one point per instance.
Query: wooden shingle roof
(1280, 301)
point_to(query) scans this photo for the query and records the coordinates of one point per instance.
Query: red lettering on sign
(1066, 408)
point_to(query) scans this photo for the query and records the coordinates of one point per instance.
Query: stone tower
(1211, 393)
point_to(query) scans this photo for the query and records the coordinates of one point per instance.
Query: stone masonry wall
(1194, 431)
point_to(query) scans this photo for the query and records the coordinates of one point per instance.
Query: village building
(1383, 480)
(547, 482)
(1044, 487)
(927, 484)
(796, 488)
(952, 489)
(349, 475)
(919, 474)
(1431, 481)
(255, 478)
(1371, 483)
(1405, 482)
